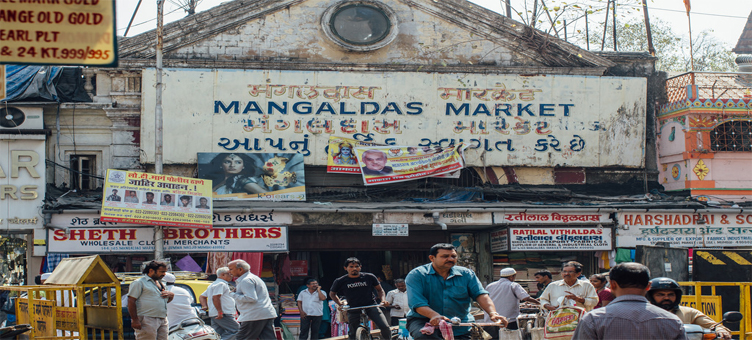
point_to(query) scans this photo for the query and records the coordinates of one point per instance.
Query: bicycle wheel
(362, 334)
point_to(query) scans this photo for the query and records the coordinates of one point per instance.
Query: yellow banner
(341, 156)
(144, 198)
(64, 32)
(710, 305)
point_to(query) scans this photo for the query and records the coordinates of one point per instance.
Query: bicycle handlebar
(347, 308)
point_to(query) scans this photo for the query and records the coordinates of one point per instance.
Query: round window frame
(386, 39)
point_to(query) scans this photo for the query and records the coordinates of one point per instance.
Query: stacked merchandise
(500, 261)
(517, 259)
(290, 312)
(551, 260)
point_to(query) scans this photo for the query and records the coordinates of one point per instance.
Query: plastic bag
(561, 323)
(507, 334)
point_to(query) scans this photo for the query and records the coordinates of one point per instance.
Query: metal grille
(732, 136)
(710, 85)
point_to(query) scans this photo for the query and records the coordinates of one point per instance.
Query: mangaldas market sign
(176, 240)
(558, 239)
(684, 229)
(503, 119)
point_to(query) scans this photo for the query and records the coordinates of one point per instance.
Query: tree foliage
(556, 17)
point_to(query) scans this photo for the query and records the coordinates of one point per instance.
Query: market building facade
(550, 130)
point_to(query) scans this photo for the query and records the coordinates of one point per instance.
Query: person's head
(224, 274)
(543, 277)
(132, 193)
(238, 267)
(598, 281)
(185, 200)
(155, 270)
(400, 284)
(225, 165)
(352, 266)
(508, 273)
(167, 198)
(114, 191)
(169, 279)
(345, 149)
(232, 164)
(629, 278)
(374, 159)
(412, 150)
(443, 256)
(665, 293)
(570, 271)
(149, 196)
(202, 201)
(312, 284)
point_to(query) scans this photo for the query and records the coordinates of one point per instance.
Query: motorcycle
(696, 332)
(192, 329)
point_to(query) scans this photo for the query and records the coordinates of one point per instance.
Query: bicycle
(476, 328)
(364, 332)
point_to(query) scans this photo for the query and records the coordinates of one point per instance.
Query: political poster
(144, 198)
(341, 156)
(254, 176)
(390, 164)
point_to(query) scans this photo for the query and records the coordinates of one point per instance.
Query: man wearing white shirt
(257, 313)
(221, 307)
(396, 301)
(582, 293)
(181, 306)
(311, 306)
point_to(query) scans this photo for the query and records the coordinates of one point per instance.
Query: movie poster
(254, 176)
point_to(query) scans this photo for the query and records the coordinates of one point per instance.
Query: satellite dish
(11, 117)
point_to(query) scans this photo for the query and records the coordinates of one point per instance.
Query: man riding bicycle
(439, 291)
(357, 288)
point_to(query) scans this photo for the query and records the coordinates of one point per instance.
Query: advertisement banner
(550, 218)
(558, 239)
(341, 156)
(390, 164)
(499, 240)
(176, 240)
(254, 176)
(684, 229)
(504, 119)
(59, 33)
(144, 198)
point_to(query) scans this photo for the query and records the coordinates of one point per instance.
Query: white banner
(551, 218)
(499, 240)
(219, 219)
(121, 240)
(509, 120)
(684, 229)
(558, 239)
(381, 229)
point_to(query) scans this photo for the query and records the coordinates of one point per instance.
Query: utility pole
(651, 48)
(158, 230)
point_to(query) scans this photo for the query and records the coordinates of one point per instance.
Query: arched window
(732, 136)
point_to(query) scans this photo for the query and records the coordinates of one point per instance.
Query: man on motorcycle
(666, 293)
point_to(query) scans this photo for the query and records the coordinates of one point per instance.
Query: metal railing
(710, 85)
(745, 326)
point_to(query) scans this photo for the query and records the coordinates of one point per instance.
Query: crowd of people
(623, 304)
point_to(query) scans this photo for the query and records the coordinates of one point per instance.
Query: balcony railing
(709, 85)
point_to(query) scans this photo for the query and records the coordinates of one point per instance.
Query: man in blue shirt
(440, 291)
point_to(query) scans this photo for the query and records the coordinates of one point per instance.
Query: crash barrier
(710, 304)
(70, 312)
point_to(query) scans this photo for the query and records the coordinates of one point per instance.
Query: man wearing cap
(181, 306)
(506, 296)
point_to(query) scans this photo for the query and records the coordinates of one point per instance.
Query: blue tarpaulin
(44, 83)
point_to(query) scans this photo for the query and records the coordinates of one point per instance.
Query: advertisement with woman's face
(254, 176)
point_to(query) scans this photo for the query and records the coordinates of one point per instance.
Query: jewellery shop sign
(684, 229)
(93, 240)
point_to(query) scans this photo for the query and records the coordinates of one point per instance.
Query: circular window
(360, 26)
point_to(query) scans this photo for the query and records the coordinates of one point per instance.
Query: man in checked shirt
(630, 315)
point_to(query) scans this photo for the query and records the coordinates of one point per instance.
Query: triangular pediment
(447, 32)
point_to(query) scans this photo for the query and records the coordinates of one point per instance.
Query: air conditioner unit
(23, 118)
